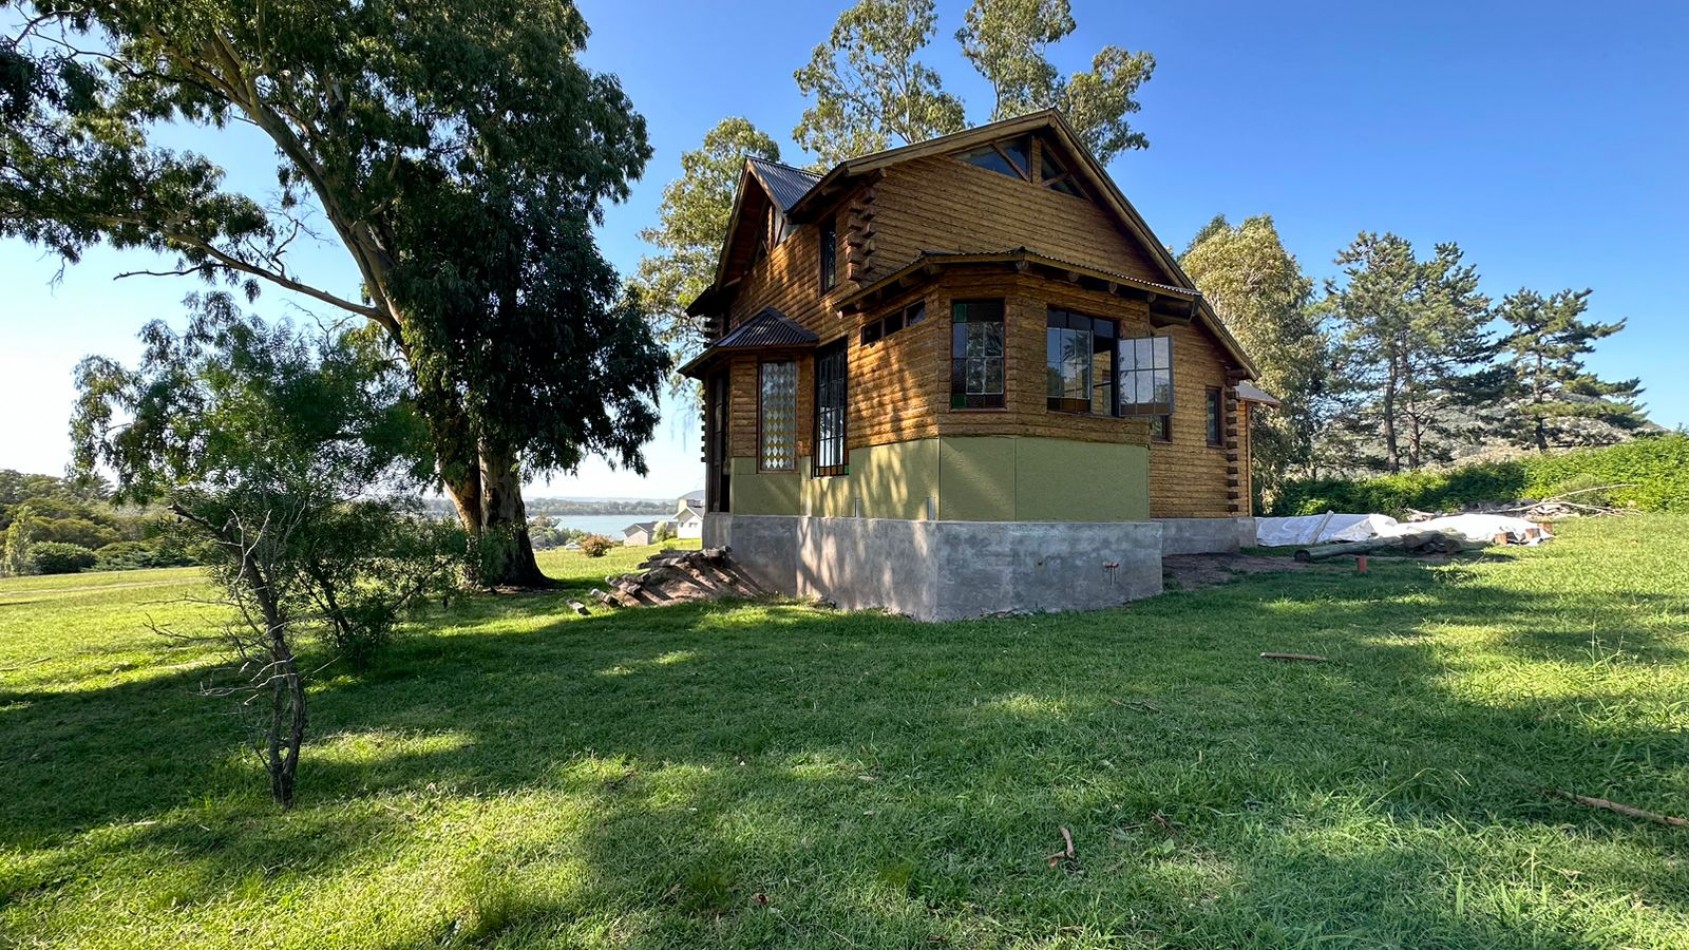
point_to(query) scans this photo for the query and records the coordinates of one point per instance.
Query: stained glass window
(777, 416)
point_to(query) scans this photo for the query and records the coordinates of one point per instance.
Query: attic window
(1015, 158)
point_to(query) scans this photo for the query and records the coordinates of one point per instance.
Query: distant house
(689, 524)
(689, 516)
(642, 533)
(963, 377)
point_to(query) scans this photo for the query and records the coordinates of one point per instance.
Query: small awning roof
(1249, 392)
(768, 330)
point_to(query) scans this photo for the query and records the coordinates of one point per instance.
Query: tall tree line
(1403, 361)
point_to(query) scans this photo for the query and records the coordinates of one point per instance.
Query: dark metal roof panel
(788, 184)
(768, 328)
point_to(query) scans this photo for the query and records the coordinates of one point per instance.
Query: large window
(777, 416)
(1080, 357)
(831, 408)
(1146, 376)
(829, 255)
(1216, 430)
(976, 354)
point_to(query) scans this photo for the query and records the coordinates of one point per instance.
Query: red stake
(1360, 564)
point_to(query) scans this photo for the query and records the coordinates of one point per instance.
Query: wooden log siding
(1187, 476)
(900, 386)
(945, 204)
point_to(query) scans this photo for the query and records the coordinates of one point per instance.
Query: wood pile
(673, 577)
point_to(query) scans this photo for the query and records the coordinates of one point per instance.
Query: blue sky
(1549, 140)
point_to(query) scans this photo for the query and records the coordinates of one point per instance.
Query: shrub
(1650, 474)
(57, 557)
(595, 545)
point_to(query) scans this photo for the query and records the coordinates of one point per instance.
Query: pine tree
(1552, 401)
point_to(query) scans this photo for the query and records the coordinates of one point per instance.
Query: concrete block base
(946, 570)
(1206, 535)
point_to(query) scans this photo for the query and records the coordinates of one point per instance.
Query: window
(1013, 157)
(976, 354)
(1216, 431)
(1146, 377)
(1080, 356)
(1161, 428)
(829, 256)
(831, 406)
(891, 323)
(777, 416)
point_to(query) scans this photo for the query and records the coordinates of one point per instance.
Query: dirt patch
(1194, 571)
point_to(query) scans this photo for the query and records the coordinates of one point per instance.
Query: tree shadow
(711, 775)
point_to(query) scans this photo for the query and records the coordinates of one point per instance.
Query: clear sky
(1551, 140)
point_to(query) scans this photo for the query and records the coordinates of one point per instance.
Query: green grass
(773, 775)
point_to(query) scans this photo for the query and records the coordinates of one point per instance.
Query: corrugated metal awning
(768, 330)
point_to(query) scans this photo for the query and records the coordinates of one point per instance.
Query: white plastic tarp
(1319, 529)
(1334, 527)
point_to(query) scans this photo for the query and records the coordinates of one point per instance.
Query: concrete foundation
(946, 570)
(1206, 535)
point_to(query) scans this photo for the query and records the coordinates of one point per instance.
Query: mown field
(774, 775)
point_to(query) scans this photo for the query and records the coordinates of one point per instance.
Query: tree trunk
(507, 553)
(1392, 451)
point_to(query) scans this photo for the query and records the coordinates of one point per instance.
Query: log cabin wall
(900, 386)
(945, 204)
(1187, 476)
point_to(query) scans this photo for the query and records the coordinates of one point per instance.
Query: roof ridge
(776, 162)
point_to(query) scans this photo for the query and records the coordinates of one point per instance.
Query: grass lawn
(773, 775)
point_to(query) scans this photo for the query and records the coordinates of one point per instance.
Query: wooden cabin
(975, 337)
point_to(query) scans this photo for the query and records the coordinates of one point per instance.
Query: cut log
(1413, 542)
(579, 608)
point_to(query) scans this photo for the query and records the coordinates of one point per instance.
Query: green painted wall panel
(973, 478)
(977, 479)
(1057, 480)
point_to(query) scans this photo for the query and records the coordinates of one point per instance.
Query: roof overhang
(768, 332)
(1168, 304)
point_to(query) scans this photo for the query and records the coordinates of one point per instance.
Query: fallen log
(1416, 542)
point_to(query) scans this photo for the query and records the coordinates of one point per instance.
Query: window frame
(762, 445)
(839, 349)
(1143, 410)
(1063, 320)
(893, 322)
(829, 254)
(1215, 417)
(960, 399)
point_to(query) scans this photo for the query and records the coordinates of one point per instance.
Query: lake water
(611, 525)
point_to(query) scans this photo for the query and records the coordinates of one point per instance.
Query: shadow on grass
(722, 775)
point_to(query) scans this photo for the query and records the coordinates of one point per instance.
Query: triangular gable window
(1029, 158)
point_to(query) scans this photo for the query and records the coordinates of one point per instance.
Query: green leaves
(691, 226)
(1552, 401)
(868, 86)
(1008, 42)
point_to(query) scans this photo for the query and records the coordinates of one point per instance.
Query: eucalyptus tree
(1008, 41)
(458, 153)
(871, 90)
(691, 225)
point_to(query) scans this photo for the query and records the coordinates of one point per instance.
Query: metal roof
(787, 184)
(1249, 392)
(766, 330)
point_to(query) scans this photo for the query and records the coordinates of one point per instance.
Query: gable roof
(785, 184)
(1050, 121)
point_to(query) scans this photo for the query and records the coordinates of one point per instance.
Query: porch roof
(768, 330)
